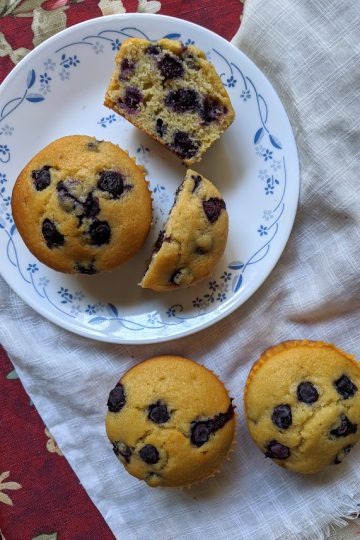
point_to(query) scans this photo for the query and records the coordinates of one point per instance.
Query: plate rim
(236, 303)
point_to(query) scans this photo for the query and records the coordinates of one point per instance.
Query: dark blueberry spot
(88, 269)
(154, 50)
(177, 276)
(345, 387)
(346, 428)
(282, 417)
(159, 242)
(341, 455)
(200, 433)
(132, 99)
(184, 146)
(276, 450)
(52, 236)
(112, 182)
(212, 208)
(41, 177)
(170, 67)
(126, 69)
(161, 127)
(197, 179)
(201, 430)
(212, 110)
(158, 413)
(183, 100)
(117, 398)
(93, 146)
(307, 393)
(91, 206)
(149, 454)
(201, 251)
(100, 232)
(123, 450)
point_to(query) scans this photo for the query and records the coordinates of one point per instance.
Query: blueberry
(132, 99)
(160, 127)
(158, 413)
(41, 178)
(170, 67)
(112, 182)
(212, 110)
(200, 431)
(93, 146)
(126, 69)
(159, 242)
(100, 233)
(307, 393)
(91, 206)
(149, 454)
(176, 277)
(282, 417)
(117, 398)
(345, 387)
(346, 428)
(183, 100)
(88, 269)
(276, 450)
(184, 146)
(212, 208)
(52, 236)
(123, 450)
(197, 179)
(153, 50)
(341, 455)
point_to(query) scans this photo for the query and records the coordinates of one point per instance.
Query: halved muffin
(171, 92)
(193, 238)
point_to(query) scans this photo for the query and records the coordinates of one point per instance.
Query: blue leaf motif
(30, 78)
(63, 56)
(113, 310)
(236, 265)
(97, 320)
(1, 225)
(35, 98)
(13, 229)
(172, 36)
(275, 142)
(237, 283)
(259, 135)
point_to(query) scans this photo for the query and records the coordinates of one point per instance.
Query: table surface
(40, 496)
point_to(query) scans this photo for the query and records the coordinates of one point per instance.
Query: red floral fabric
(40, 496)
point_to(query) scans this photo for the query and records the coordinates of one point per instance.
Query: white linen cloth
(310, 51)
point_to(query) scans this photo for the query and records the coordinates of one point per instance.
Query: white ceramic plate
(58, 90)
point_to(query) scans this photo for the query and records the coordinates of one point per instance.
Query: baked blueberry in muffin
(82, 205)
(173, 93)
(193, 238)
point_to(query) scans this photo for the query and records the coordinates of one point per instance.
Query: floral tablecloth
(40, 496)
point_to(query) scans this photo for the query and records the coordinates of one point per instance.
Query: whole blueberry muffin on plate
(82, 205)
(170, 421)
(193, 238)
(302, 404)
(173, 93)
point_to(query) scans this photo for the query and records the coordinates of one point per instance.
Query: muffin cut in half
(193, 239)
(171, 92)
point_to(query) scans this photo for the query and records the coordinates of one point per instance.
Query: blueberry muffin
(170, 421)
(193, 238)
(82, 205)
(302, 404)
(173, 93)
